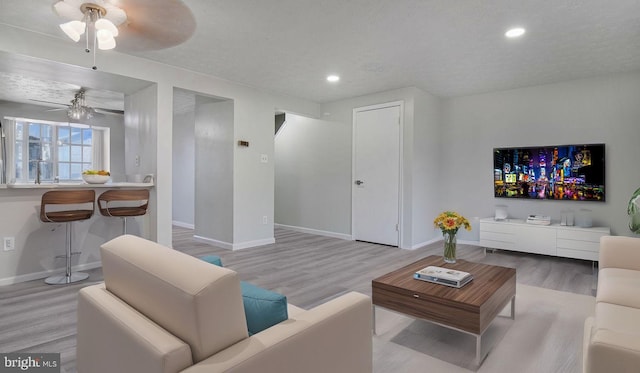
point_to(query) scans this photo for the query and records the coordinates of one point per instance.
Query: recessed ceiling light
(515, 32)
(333, 78)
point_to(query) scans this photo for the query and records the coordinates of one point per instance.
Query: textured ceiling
(20, 88)
(31, 80)
(445, 47)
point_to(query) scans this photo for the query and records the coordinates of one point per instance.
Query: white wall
(253, 181)
(313, 175)
(598, 110)
(214, 171)
(141, 147)
(427, 189)
(141, 132)
(184, 176)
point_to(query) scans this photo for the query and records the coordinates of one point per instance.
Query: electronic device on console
(539, 219)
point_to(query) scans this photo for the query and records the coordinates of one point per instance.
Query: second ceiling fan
(79, 110)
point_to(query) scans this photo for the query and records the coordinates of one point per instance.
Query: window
(59, 150)
(74, 152)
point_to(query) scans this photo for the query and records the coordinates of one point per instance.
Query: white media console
(554, 239)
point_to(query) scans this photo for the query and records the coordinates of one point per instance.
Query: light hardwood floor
(308, 269)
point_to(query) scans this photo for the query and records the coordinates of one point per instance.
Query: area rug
(546, 336)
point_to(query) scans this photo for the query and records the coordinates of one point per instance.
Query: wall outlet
(137, 161)
(9, 243)
(265, 219)
(264, 158)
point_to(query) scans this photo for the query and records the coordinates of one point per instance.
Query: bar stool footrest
(65, 257)
(64, 279)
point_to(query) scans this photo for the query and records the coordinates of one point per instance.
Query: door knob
(359, 182)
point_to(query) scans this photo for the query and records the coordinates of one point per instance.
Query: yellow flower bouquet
(449, 222)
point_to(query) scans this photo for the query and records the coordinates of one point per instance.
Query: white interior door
(376, 175)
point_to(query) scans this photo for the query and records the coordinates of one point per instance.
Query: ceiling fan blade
(146, 32)
(48, 102)
(107, 111)
(95, 110)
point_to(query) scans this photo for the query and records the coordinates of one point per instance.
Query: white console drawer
(581, 235)
(578, 245)
(496, 227)
(496, 236)
(578, 254)
(497, 244)
(537, 240)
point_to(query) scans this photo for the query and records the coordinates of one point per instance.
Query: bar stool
(124, 203)
(78, 199)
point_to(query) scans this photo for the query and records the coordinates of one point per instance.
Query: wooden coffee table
(470, 309)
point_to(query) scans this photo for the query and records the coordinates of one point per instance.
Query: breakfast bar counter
(79, 185)
(36, 244)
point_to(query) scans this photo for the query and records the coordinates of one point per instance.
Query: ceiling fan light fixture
(115, 15)
(66, 9)
(79, 109)
(73, 29)
(103, 35)
(100, 16)
(104, 24)
(106, 42)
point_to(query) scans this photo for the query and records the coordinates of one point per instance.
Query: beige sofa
(612, 337)
(160, 310)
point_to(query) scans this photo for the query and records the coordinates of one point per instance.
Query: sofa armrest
(619, 252)
(113, 337)
(610, 351)
(333, 337)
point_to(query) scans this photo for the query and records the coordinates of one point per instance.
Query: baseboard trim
(256, 243)
(234, 246)
(183, 225)
(318, 232)
(44, 274)
(211, 241)
(425, 243)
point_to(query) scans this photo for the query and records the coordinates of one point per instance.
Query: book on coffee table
(443, 276)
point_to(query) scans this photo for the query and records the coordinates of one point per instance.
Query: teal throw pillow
(262, 308)
(213, 259)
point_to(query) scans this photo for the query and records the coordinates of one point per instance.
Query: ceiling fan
(141, 25)
(79, 110)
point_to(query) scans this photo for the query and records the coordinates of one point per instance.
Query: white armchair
(161, 310)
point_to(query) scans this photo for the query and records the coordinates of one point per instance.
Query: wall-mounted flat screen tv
(563, 172)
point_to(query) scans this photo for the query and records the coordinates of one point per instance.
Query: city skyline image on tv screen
(558, 172)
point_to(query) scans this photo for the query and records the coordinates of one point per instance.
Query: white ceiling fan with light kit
(138, 25)
(78, 109)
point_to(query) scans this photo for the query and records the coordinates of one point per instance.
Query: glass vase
(449, 247)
